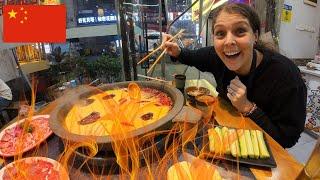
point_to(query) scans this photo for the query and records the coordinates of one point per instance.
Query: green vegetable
(243, 144)
(225, 139)
(234, 143)
(262, 145)
(255, 145)
(219, 144)
(211, 139)
(249, 143)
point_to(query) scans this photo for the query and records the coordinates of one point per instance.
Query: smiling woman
(233, 41)
(260, 83)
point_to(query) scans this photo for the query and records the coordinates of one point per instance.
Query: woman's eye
(240, 31)
(219, 33)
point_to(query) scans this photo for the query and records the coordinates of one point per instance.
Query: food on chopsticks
(198, 169)
(239, 142)
(23, 135)
(124, 108)
(41, 168)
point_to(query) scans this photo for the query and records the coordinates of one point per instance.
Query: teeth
(231, 53)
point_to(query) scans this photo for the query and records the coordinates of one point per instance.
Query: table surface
(225, 115)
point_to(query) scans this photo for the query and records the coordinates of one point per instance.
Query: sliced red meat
(28, 141)
(126, 123)
(5, 144)
(16, 136)
(93, 117)
(164, 99)
(36, 170)
(147, 116)
(7, 137)
(122, 100)
(108, 96)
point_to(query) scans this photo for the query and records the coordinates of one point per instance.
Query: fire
(148, 156)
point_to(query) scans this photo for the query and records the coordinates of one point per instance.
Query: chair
(5, 118)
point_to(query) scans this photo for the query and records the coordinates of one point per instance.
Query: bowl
(205, 100)
(205, 104)
(194, 91)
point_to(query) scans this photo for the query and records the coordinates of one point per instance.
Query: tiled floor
(302, 150)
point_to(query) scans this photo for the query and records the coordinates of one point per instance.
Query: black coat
(276, 86)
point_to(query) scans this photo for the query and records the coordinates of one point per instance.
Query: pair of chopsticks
(152, 78)
(158, 48)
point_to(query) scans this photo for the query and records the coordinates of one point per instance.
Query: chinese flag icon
(34, 23)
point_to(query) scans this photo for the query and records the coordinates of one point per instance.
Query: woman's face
(233, 40)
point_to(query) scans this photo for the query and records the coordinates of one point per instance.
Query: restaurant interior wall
(299, 38)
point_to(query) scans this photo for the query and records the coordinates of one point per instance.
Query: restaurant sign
(95, 20)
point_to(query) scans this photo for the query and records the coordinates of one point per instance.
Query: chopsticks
(147, 77)
(158, 59)
(158, 48)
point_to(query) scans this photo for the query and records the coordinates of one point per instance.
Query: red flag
(34, 23)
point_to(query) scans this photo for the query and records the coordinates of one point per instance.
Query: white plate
(28, 148)
(56, 166)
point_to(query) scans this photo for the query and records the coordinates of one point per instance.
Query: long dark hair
(247, 12)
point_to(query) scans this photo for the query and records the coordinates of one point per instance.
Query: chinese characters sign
(96, 20)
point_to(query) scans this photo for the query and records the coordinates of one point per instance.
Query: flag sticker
(34, 23)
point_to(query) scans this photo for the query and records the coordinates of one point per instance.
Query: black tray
(268, 162)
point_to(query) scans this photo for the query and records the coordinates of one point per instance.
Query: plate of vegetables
(246, 146)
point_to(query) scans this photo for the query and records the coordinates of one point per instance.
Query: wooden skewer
(158, 59)
(145, 58)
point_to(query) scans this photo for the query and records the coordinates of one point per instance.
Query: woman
(260, 83)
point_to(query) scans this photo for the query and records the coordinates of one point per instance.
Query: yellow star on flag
(12, 14)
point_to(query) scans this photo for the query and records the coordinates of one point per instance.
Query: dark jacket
(276, 86)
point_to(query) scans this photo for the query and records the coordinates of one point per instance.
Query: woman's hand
(237, 93)
(172, 48)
